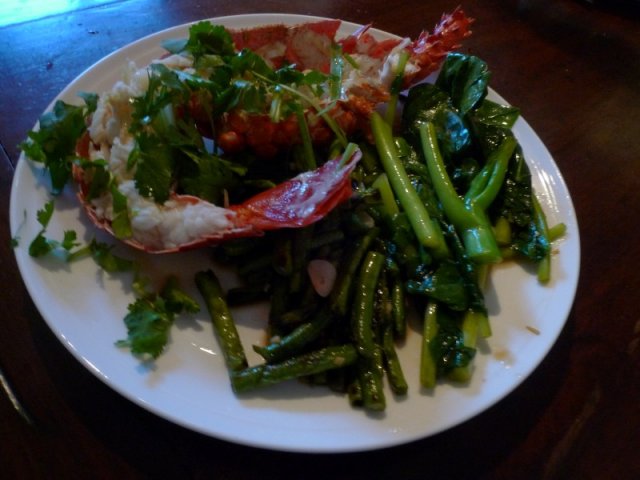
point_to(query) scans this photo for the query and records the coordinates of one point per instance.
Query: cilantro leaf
(149, 319)
(210, 177)
(154, 167)
(148, 324)
(54, 142)
(121, 223)
(208, 39)
(178, 301)
(69, 240)
(102, 254)
(44, 214)
(40, 245)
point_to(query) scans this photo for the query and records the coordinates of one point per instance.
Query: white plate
(189, 386)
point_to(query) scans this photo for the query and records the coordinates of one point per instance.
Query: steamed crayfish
(173, 141)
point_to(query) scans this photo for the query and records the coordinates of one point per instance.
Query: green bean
(222, 321)
(397, 380)
(341, 292)
(262, 375)
(252, 265)
(326, 238)
(363, 305)
(354, 392)
(282, 257)
(248, 294)
(383, 309)
(371, 380)
(298, 315)
(279, 300)
(294, 342)
(300, 248)
(239, 247)
(398, 311)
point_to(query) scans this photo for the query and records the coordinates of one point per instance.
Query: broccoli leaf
(429, 103)
(465, 78)
(443, 284)
(491, 113)
(448, 345)
(515, 203)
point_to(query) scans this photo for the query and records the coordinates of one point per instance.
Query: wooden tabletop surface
(574, 70)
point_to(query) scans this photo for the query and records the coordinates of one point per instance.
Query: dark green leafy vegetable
(466, 79)
(41, 245)
(150, 318)
(448, 345)
(103, 255)
(53, 144)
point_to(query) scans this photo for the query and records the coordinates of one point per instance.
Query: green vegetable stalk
(311, 363)
(425, 229)
(468, 215)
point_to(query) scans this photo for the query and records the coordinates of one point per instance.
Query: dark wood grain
(573, 68)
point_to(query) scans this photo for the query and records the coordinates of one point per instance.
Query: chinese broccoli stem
(544, 266)
(469, 215)
(502, 232)
(396, 87)
(406, 194)
(428, 366)
(262, 375)
(222, 321)
(484, 327)
(383, 186)
(557, 231)
(470, 331)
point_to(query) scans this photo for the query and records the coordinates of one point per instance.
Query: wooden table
(572, 67)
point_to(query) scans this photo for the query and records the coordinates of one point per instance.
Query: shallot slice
(323, 275)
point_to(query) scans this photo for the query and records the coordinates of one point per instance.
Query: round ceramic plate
(188, 384)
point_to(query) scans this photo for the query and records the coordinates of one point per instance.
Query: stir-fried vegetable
(435, 202)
